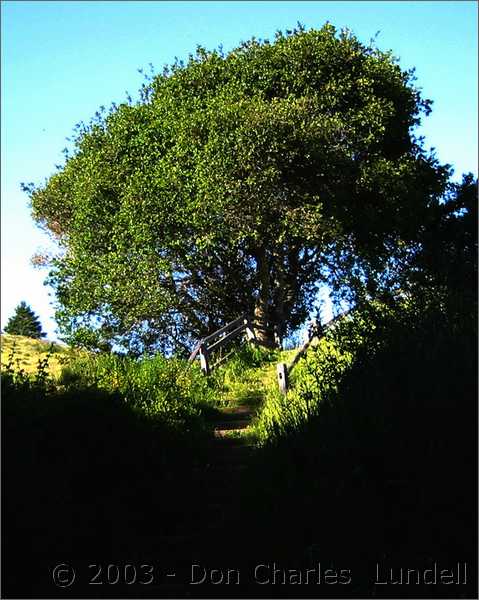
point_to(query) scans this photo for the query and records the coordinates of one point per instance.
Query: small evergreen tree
(25, 322)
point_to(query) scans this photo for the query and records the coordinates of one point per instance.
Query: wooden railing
(219, 339)
(315, 330)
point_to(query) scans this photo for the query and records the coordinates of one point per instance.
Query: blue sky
(61, 60)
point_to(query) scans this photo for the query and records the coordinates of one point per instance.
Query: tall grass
(246, 377)
(369, 457)
(372, 456)
(28, 351)
(315, 377)
(157, 386)
(99, 465)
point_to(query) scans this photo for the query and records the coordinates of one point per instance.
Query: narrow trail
(209, 536)
(217, 535)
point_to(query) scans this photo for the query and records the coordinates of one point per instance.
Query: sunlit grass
(25, 353)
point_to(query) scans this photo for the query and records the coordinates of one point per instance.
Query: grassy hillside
(346, 469)
(26, 352)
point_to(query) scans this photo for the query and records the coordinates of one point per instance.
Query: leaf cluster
(300, 151)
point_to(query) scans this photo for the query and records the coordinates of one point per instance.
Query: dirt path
(208, 535)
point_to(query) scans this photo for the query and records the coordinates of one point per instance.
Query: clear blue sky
(62, 60)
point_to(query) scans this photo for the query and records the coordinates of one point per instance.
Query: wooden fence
(315, 330)
(243, 325)
(211, 343)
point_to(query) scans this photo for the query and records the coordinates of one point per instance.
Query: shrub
(383, 464)
(316, 376)
(155, 386)
(100, 466)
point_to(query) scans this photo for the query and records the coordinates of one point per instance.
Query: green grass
(25, 353)
(249, 379)
(246, 378)
(371, 453)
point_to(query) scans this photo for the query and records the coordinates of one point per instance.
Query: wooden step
(220, 441)
(232, 424)
(238, 408)
(222, 473)
(233, 454)
(236, 412)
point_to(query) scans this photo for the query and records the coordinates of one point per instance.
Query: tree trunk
(279, 294)
(263, 329)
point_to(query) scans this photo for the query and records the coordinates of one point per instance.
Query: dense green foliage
(314, 377)
(91, 476)
(24, 322)
(238, 183)
(446, 266)
(370, 457)
(374, 449)
(156, 386)
(373, 458)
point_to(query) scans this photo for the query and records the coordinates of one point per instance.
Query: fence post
(282, 373)
(205, 367)
(250, 335)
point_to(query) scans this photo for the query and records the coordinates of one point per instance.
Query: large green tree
(445, 268)
(24, 322)
(239, 182)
